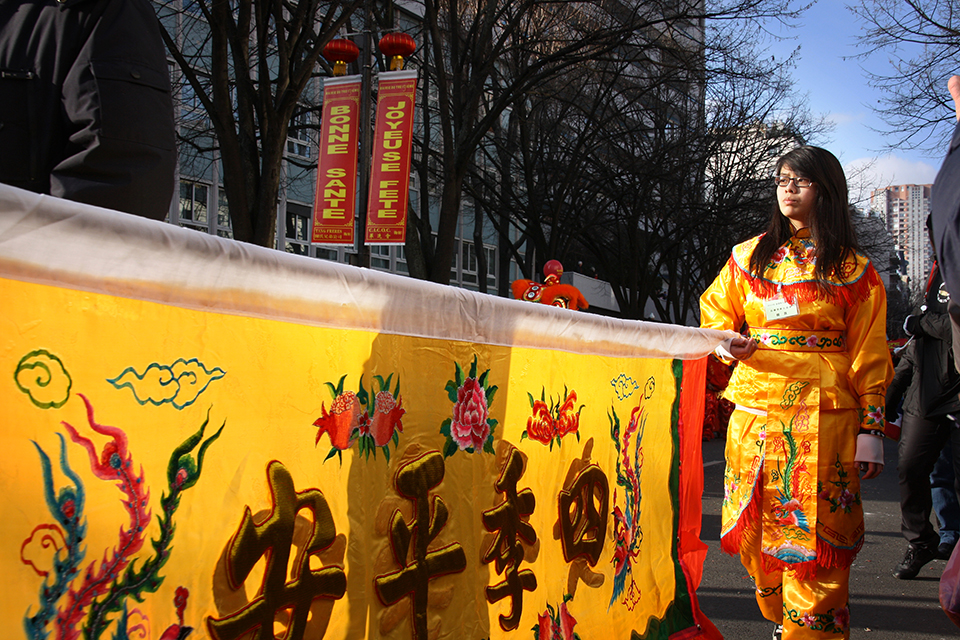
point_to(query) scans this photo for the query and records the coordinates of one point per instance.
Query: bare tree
(613, 163)
(487, 57)
(921, 39)
(246, 63)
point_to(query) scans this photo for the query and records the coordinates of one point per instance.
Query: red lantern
(340, 52)
(397, 46)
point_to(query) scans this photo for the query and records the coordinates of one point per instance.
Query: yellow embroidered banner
(200, 433)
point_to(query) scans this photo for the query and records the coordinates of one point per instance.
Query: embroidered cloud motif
(180, 383)
(42, 376)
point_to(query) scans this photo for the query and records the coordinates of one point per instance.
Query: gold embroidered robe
(819, 377)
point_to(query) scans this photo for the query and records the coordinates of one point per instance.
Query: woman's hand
(742, 347)
(870, 470)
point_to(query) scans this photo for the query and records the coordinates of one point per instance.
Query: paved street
(881, 607)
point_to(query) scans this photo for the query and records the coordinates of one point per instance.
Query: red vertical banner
(392, 149)
(335, 202)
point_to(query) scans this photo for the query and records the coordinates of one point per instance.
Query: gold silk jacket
(840, 342)
(817, 379)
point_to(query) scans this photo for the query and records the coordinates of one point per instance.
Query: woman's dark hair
(830, 225)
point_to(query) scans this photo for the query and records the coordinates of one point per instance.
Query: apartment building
(905, 209)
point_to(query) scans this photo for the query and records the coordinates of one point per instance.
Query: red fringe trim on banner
(844, 294)
(730, 543)
(833, 557)
(828, 556)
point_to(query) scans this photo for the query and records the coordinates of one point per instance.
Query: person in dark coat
(945, 212)
(85, 106)
(928, 383)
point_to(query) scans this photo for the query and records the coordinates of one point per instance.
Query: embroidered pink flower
(846, 500)
(808, 619)
(841, 617)
(765, 337)
(780, 255)
(875, 415)
(469, 427)
(812, 341)
(824, 495)
(763, 435)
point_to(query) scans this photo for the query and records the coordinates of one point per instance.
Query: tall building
(905, 208)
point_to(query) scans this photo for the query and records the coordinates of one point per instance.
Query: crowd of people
(814, 387)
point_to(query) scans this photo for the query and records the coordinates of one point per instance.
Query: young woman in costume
(809, 392)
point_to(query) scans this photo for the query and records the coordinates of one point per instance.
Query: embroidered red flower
(568, 419)
(386, 417)
(551, 420)
(780, 255)
(556, 625)
(343, 420)
(541, 426)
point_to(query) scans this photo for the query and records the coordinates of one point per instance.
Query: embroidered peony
(469, 428)
(780, 255)
(846, 500)
(841, 618)
(808, 619)
(812, 341)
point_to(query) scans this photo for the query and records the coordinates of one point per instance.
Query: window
(298, 229)
(192, 112)
(298, 134)
(469, 262)
(470, 275)
(193, 205)
(328, 254)
(224, 224)
(380, 257)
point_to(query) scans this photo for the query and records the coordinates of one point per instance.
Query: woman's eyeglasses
(802, 183)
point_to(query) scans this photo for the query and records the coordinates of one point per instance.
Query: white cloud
(866, 174)
(838, 118)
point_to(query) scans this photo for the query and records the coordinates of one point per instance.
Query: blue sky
(837, 88)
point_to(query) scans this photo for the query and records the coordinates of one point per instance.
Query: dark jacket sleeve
(899, 386)
(936, 326)
(945, 214)
(120, 151)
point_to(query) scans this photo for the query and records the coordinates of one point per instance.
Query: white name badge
(778, 308)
